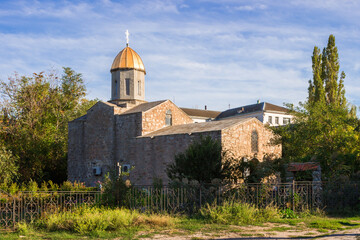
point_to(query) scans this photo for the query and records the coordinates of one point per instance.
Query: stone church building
(132, 135)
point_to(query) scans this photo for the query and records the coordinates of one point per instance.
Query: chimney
(205, 107)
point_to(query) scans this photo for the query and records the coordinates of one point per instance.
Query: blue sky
(196, 53)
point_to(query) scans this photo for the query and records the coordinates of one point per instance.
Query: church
(129, 134)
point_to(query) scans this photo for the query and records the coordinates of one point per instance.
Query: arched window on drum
(254, 141)
(168, 118)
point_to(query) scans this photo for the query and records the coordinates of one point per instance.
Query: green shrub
(238, 213)
(93, 220)
(288, 213)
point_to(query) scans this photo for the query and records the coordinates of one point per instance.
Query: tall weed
(92, 220)
(238, 213)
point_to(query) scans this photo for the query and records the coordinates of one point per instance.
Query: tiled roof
(263, 106)
(143, 107)
(200, 112)
(198, 127)
(296, 167)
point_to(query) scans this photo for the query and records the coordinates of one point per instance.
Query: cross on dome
(127, 37)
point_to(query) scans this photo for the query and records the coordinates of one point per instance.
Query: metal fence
(27, 206)
(296, 195)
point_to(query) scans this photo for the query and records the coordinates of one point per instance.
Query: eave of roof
(198, 127)
(200, 112)
(143, 107)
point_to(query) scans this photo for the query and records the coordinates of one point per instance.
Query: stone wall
(154, 119)
(154, 154)
(106, 138)
(237, 140)
(76, 151)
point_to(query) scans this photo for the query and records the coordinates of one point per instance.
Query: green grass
(105, 223)
(238, 214)
(281, 229)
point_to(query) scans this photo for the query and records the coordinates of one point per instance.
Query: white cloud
(193, 57)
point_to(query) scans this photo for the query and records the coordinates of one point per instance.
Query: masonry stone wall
(237, 140)
(154, 154)
(128, 127)
(76, 151)
(154, 119)
(108, 137)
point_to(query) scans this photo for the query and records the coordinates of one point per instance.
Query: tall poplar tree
(326, 128)
(326, 86)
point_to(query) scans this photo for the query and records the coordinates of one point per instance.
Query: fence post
(293, 195)
(200, 198)
(14, 211)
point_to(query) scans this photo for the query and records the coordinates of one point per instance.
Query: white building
(267, 113)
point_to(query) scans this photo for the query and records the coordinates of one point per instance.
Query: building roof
(198, 127)
(128, 59)
(200, 112)
(143, 107)
(82, 118)
(263, 106)
(296, 167)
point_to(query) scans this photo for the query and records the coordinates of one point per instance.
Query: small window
(270, 119)
(286, 121)
(254, 141)
(139, 88)
(127, 82)
(168, 118)
(277, 120)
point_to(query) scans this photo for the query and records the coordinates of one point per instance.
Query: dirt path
(269, 231)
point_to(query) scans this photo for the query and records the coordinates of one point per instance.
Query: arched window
(254, 141)
(168, 118)
(139, 88)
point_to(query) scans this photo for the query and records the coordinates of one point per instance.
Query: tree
(201, 161)
(326, 86)
(35, 114)
(8, 166)
(325, 128)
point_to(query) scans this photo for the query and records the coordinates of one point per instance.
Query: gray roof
(82, 118)
(263, 106)
(198, 127)
(143, 107)
(200, 113)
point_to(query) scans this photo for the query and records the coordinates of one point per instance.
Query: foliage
(86, 220)
(116, 190)
(201, 161)
(32, 186)
(326, 86)
(238, 213)
(325, 128)
(258, 171)
(34, 120)
(325, 134)
(288, 213)
(8, 166)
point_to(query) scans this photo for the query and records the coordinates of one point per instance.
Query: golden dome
(128, 59)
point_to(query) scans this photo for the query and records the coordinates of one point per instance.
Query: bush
(238, 213)
(92, 220)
